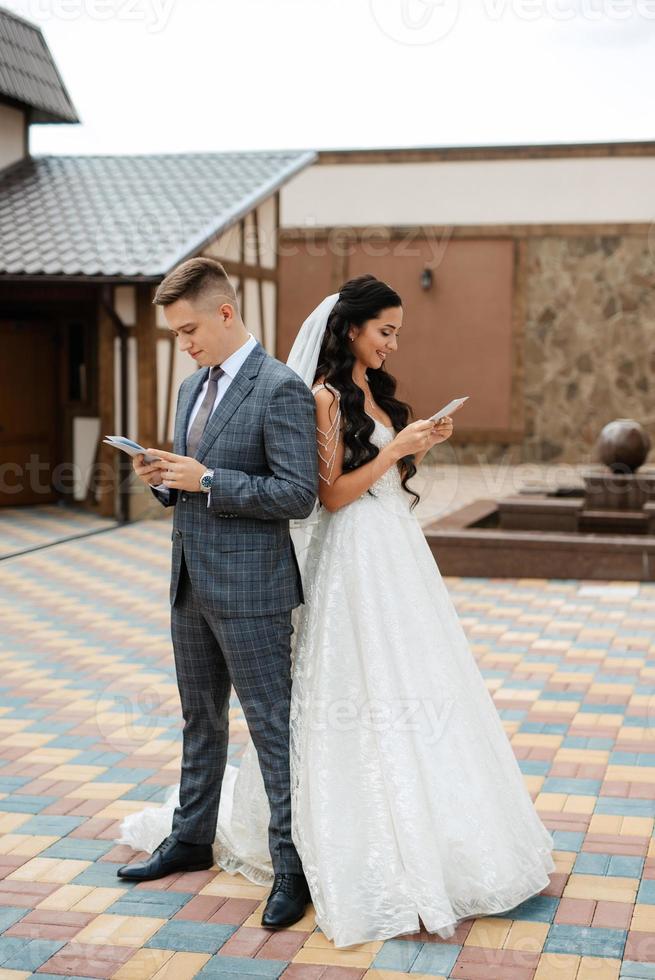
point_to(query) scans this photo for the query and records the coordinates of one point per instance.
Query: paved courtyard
(90, 731)
(25, 529)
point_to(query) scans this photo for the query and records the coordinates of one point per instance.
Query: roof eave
(491, 151)
(36, 114)
(49, 115)
(40, 116)
(64, 277)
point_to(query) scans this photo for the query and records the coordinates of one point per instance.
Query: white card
(129, 447)
(449, 408)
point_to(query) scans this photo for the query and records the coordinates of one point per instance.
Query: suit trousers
(213, 653)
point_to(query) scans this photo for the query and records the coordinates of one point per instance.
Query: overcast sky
(183, 75)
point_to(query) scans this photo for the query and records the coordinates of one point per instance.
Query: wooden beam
(146, 360)
(393, 233)
(106, 457)
(276, 306)
(234, 268)
(172, 353)
(266, 340)
(637, 148)
(242, 267)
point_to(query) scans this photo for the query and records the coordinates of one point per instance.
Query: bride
(407, 800)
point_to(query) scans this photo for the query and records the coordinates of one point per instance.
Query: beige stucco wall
(602, 189)
(584, 301)
(12, 135)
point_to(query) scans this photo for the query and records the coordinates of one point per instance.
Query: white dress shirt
(231, 366)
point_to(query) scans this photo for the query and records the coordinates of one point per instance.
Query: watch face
(206, 481)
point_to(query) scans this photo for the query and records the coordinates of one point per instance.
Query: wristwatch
(206, 481)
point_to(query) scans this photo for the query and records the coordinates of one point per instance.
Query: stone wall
(589, 341)
(589, 346)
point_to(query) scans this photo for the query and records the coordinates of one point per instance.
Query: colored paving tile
(90, 729)
(25, 528)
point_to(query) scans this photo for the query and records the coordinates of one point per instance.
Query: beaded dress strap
(324, 436)
(328, 386)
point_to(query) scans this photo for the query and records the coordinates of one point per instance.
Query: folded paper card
(449, 408)
(129, 447)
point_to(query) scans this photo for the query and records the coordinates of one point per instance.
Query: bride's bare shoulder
(322, 390)
(327, 404)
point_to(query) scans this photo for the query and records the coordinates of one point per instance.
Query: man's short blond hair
(194, 279)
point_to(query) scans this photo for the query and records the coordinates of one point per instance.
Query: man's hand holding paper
(151, 473)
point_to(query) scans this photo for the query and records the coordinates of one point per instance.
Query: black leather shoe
(287, 902)
(170, 856)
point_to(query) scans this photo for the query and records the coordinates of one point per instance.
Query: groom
(245, 462)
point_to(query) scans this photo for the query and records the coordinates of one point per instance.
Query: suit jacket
(261, 443)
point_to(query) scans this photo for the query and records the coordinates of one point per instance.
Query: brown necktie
(205, 410)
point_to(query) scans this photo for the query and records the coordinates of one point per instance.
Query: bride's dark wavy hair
(362, 299)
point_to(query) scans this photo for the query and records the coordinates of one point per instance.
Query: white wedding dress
(407, 799)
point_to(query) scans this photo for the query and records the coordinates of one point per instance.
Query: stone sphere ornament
(623, 445)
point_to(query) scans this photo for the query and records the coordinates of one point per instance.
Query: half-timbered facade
(84, 241)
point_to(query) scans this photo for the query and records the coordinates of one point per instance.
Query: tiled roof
(128, 216)
(28, 74)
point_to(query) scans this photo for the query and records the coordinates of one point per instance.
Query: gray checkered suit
(234, 582)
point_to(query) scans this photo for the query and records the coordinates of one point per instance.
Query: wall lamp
(426, 278)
